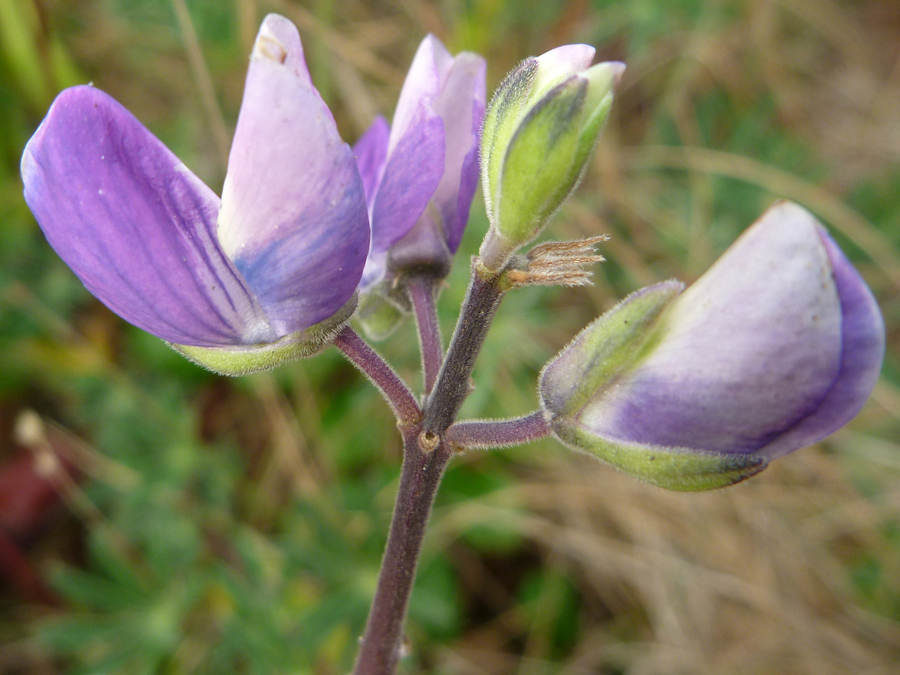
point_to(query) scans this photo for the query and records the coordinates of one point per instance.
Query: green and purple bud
(540, 129)
(777, 346)
(239, 284)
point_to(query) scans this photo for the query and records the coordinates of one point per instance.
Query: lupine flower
(777, 346)
(540, 129)
(421, 172)
(267, 273)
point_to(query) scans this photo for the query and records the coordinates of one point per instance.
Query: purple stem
(421, 291)
(425, 456)
(498, 433)
(370, 362)
(452, 386)
(380, 647)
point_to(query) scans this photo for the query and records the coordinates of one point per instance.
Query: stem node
(428, 441)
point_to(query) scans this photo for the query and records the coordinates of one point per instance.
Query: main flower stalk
(426, 453)
(423, 467)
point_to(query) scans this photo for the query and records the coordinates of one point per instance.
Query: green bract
(539, 131)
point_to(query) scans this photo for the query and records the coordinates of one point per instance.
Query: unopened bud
(539, 131)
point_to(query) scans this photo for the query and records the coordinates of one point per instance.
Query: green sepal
(602, 79)
(679, 469)
(537, 169)
(501, 119)
(247, 359)
(606, 348)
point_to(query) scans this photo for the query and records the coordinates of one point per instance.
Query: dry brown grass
(746, 580)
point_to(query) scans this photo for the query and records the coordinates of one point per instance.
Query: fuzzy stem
(421, 292)
(425, 457)
(452, 386)
(499, 433)
(370, 362)
(380, 647)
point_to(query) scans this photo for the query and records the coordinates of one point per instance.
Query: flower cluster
(777, 346)
(270, 271)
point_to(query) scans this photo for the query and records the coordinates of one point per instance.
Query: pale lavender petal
(278, 40)
(422, 85)
(461, 106)
(560, 64)
(135, 224)
(371, 152)
(748, 351)
(293, 215)
(862, 352)
(567, 60)
(374, 270)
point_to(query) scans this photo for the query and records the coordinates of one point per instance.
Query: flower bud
(777, 346)
(539, 131)
(420, 175)
(421, 171)
(381, 311)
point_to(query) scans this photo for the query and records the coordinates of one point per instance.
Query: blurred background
(155, 518)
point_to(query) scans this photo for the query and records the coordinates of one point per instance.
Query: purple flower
(272, 266)
(777, 346)
(421, 173)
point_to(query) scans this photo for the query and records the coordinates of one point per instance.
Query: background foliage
(158, 519)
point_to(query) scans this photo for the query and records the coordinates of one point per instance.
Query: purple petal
(748, 352)
(411, 175)
(135, 224)
(416, 150)
(862, 352)
(293, 214)
(432, 156)
(461, 106)
(468, 183)
(371, 153)
(422, 84)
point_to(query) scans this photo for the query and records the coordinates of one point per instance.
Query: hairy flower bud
(777, 346)
(540, 129)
